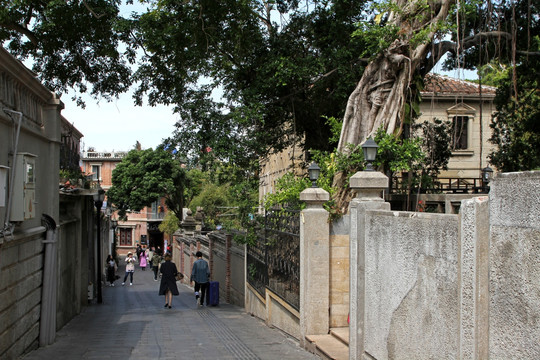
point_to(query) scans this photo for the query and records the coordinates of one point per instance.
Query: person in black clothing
(111, 265)
(168, 280)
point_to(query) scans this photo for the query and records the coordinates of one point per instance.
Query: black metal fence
(274, 260)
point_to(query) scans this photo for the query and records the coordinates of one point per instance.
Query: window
(125, 237)
(459, 132)
(96, 172)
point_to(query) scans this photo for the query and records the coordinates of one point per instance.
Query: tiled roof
(440, 84)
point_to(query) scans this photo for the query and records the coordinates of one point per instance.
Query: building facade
(470, 108)
(140, 227)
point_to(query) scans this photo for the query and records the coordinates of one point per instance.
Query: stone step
(341, 333)
(331, 346)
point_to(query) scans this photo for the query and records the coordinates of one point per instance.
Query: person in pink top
(142, 260)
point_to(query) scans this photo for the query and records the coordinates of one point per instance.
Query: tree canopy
(144, 176)
(248, 77)
(81, 45)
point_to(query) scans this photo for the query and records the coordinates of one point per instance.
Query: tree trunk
(380, 96)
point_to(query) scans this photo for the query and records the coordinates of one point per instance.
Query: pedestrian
(200, 274)
(130, 268)
(168, 280)
(142, 261)
(156, 260)
(111, 269)
(138, 251)
(149, 255)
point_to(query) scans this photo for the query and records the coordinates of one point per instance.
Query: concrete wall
(273, 310)
(76, 221)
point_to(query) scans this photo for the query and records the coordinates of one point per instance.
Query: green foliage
(169, 224)
(142, 177)
(287, 192)
(516, 125)
(377, 37)
(211, 198)
(269, 75)
(436, 139)
(395, 154)
(72, 44)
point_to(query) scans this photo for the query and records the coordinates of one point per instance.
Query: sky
(118, 125)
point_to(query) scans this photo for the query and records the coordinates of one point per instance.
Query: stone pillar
(368, 186)
(314, 264)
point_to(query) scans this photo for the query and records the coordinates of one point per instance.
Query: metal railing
(119, 155)
(274, 260)
(440, 185)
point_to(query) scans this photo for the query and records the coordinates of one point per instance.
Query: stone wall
(514, 266)
(21, 273)
(454, 286)
(225, 258)
(339, 272)
(411, 285)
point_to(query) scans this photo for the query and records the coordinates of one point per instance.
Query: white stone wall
(461, 286)
(411, 285)
(514, 266)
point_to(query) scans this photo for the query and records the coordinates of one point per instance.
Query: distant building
(469, 108)
(141, 227)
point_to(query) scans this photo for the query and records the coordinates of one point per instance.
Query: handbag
(179, 276)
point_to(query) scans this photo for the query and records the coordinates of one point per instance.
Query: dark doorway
(156, 239)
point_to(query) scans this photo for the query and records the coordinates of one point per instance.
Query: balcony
(441, 185)
(107, 155)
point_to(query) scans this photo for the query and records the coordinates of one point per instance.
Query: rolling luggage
(213, 293)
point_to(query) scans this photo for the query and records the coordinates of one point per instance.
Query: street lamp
(114, 225)
(99, 197)
(314, 171)
(487, 173)
(370, 153)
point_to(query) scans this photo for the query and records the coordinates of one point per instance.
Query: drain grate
(237, 348)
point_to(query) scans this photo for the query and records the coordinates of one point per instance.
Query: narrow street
(133, 324)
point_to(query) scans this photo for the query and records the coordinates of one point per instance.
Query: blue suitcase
(213, 293)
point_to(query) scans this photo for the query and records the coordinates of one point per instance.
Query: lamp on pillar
(314, 171)
(99, 197)
(370, 153)
(487, 173)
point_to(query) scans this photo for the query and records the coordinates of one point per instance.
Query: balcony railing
(113, 155)
(441, 185)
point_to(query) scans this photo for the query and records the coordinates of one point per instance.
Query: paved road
(133, 324)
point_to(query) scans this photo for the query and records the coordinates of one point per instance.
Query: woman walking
(142, 260)
(168, 280)
(130, 268)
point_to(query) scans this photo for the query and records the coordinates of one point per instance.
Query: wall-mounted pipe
(47, 324)
(13, 168)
